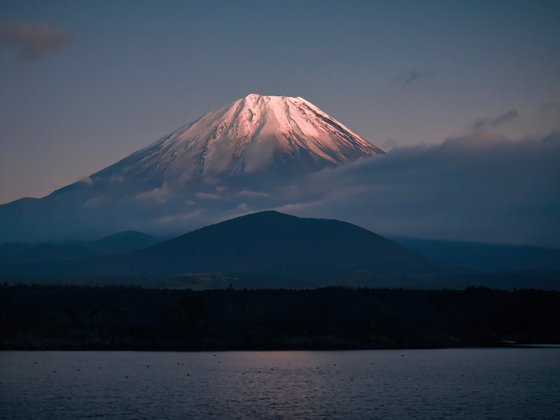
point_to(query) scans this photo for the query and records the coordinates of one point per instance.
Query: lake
(458, 383)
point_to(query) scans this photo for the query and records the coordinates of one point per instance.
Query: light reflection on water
(463, 383)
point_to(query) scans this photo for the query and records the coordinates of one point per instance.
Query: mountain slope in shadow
(273, 242)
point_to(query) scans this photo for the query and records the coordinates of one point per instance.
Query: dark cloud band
(479, 187)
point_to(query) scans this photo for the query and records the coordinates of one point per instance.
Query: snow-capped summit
(247, 156)
(253, 134)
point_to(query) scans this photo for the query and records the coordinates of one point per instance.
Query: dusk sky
(86, 83)
(205, 203)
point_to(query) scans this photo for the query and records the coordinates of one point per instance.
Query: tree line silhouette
(110, 317)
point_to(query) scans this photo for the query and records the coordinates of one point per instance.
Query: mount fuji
(237, 159)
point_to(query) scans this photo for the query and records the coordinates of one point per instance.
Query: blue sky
(398, 72)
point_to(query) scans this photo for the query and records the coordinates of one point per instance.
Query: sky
(86, 83)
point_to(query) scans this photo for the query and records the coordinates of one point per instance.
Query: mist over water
(459, 383)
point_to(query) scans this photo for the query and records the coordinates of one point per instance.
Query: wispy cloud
(179, 217)
(161, 194)
(506, 117)
(249, 193)
(86, 180)
(116, 179)
(32, 41)
(408, 77)
(208, 196)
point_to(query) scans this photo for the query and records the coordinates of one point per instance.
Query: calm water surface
(459, 383)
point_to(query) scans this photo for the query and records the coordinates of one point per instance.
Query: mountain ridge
(237, 159)
(249, 136)
(273, 250)
(117, 243)
(260, 245)
(278, 236)
(487, 257)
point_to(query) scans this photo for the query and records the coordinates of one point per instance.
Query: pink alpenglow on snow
(251, 135)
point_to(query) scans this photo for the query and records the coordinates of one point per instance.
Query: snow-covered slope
(252, 135)
(241, 158)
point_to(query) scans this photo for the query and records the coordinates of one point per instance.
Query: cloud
(32, 41)
(86, 180)
(506, 117)
(160, 195)
(249, 193)
(116, 179)
(94, 201)
(207, 196)
(476, 187)
(408, 77)
(179, 217)
(388, 144)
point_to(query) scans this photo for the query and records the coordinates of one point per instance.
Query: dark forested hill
(273, 242)
(267, 245)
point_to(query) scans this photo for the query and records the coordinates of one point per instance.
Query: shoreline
(129, 319)
(266, 349)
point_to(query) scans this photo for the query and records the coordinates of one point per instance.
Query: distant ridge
(118, 243)
(272, 250)
(267, 247)
(484, 256)
(122, 242)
